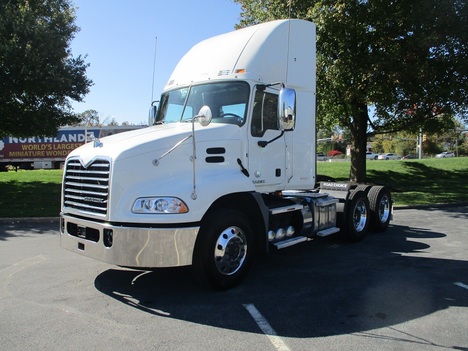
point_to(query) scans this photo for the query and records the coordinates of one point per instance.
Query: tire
(364, 188)
(380, 202)
(357, 217)
(224, 250)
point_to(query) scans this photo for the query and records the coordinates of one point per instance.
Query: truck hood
(155, 140)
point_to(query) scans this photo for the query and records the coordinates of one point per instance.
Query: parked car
(371, 156)
(322, 157)
(389, 156)
(410, 157)
(445, 154)
(334, 153)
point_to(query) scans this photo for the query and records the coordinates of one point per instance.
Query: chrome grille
(87, 189)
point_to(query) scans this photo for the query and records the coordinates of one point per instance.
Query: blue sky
(119, 38)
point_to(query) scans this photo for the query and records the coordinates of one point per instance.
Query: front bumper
(128, 246)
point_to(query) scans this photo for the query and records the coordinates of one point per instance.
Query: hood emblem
(97, 143)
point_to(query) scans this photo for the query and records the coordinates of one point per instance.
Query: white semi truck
(225, 171)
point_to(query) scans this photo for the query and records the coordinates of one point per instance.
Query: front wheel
(224, 250)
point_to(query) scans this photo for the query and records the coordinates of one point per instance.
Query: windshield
(227, 101)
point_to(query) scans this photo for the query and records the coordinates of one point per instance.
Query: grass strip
(30, 193)
(412, 182)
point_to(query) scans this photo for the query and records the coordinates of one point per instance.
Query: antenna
(154, 67)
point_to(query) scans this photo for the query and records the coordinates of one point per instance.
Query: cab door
(267, 145)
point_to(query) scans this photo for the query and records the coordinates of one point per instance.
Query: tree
(90, 118)
(38, 74)
(463, 147)
(408, 59)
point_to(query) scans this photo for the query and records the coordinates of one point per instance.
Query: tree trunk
(359, 147)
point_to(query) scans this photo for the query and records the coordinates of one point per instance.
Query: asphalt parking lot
(405, 289)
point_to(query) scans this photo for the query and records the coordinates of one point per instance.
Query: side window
(265, 113)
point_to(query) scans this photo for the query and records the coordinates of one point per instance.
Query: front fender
(211, 186)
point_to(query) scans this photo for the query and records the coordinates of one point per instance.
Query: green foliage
(90, 118)
(431, 147)
(463, 148)
(259, 11)
(405, 147)
(389, 145)
(377, 146)
(401, 144)
(38, 73)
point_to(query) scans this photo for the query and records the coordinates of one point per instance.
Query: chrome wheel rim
(230, 250)
(384, 209)
(360, 216)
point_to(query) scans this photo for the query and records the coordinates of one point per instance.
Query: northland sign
(39, 148)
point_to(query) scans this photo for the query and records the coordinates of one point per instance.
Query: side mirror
(153, 112)
(287, 109)
(204, 116)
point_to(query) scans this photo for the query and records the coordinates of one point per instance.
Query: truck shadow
(321, 288)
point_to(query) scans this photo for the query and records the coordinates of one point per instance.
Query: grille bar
(94, 172)
(84, 192)
(82, 206)
(87, 189)
(79, 184)
(88, 176)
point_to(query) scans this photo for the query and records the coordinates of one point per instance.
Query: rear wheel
(224, 250)
(380, 202)
(357, 216)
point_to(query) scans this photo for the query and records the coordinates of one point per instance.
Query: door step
(328, 231)
(290, 242)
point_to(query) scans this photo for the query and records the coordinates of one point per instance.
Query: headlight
(159, 205)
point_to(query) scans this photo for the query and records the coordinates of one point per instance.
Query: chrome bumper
(128, 246)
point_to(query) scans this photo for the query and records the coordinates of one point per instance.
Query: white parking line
(266, 328)
(461, 285)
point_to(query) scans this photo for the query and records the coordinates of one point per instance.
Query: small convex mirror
(287, 109)
(204, 116)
